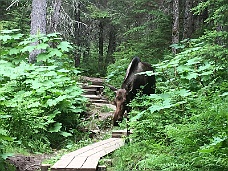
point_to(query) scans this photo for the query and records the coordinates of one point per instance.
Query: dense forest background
(46, 44)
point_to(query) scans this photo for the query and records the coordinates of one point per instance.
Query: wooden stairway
(93, 90)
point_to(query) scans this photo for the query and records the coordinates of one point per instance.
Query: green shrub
(184, 125)
(44, 101)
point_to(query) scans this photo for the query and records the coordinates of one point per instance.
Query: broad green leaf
(6, 138)
(155, 96)
(207, 73)
(184, 92)
(5, 37)
(14, 51)
(63, 70)
(61, 98)
(35, 104)
(64, 46)
(6, 155)
(25, 42)
(50, 74)
(9, 31)
(17, 36)
(65, 134)
(183, 68)
(193, 61)
(55, 52)
(137, 117)
(192, 75)
(28, 49)
(155, 107)
(42, 46)
(5, 116)
(224, 94)
(36, 84)
(42, 57)
(56, 128)
(205, 67)
(51, 102)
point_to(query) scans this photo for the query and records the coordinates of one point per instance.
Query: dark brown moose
(133, 82)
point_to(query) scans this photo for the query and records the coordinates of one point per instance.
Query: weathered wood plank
(86, 158)
(63, 162)
(88, 148)
(77, 162)
(91, 163)
(120, 133)
(104, 150)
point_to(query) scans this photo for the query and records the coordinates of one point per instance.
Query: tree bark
(175, 30)
(55, 16)
(111, 44)
(101, 43)
(77, 35)
(188, 20)
(38, 24)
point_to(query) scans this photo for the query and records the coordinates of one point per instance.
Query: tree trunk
(111, 44)
(188, 20)
(77, 37)
(101, 44)
(175, 30)
(38, 24)
(55, 16)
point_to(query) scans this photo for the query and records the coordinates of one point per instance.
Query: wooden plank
(92, 96)
(92, 86)
(95, 148)
(63, 162)
(91, 163)
(77, 162)
(87, 157)
(120, 133)
(104, 150)
(88, 148)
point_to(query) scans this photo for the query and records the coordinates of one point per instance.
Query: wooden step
(92, 86)
(120, 133)
(101, 101)
(95, 97)
(113, 107)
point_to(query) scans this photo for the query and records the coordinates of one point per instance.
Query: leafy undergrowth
(183, 126)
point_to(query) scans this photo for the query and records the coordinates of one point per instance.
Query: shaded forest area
(46, 45)
(97, 29)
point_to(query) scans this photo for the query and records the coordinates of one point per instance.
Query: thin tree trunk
(77, 27)
(101, 43)
(175, 30)
(111, 44)
(38, 24)
(188, 20)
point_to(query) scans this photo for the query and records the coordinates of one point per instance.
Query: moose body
(133, 82)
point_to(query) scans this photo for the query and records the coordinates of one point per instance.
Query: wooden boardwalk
(87, 158)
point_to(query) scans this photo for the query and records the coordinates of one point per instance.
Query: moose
(133, 82)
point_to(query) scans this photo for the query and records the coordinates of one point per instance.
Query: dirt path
(27, 163)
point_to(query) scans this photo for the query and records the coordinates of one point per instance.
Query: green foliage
(184, 125)
(217, 11)
(52, 47)
(41, 105)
